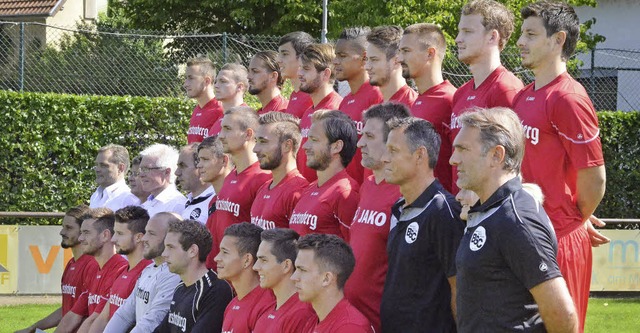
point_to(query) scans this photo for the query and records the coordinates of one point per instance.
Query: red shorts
(575, 261)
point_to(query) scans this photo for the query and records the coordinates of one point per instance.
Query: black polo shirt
(421, 249)
(509, 247)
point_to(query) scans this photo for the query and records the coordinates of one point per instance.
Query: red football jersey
(241, 315)
(211, 226)
(498, 89)
(368, 239)
(562, 137)
(100, 286)
(327, 209)
(203, 119)
(344, 318)
(278, 103)
(404, 95)
(330, 102)
(434, 105)
(272, 207)
(124, 284)
(294, 316)
(75, 282)
(299, 102)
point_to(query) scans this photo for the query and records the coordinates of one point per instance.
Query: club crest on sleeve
(411, 234)
(478, 239)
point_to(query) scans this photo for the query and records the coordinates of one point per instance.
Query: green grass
(605, 315)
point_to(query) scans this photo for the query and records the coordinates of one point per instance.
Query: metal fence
(42, 58)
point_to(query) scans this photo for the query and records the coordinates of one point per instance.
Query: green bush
(49, 143)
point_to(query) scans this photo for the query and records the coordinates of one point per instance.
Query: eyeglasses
(147, 170)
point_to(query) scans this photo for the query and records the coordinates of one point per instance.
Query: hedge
(49, 142)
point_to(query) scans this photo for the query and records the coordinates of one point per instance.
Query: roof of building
(12, 8)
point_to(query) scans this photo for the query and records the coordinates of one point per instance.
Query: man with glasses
(157, 168)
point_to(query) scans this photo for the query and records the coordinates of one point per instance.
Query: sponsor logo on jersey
(530, 99)
(455, 122)
(304, 219)
(478, 239)
(228, 206)
(143, 295)
(262, 223)
(351, 101)
(411, 235)
(236, 307)
(197, 130)
(471, 98)
(359, 127)
(116, 300)
(195, 214)
(531, 133)
(543, 267)
(69, 290)
(304, 132)
(372, 217)
(178, 320)
(94, 299)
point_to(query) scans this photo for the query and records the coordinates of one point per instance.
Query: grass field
(605, 315)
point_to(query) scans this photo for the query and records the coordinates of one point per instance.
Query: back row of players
(405, 256)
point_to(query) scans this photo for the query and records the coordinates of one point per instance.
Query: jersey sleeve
(81, 306)
(124, 317)
(446, 234)
(576, 123)
(166, 286)
(211, 308)
(346, 206)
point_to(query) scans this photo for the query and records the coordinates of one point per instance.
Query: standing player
(422, 50)
(323, 265)
(265, 81)
(328, 204)
(290, 46)
(231, 83)
(198, 83)
(235, 264)
(507, 254)
(371, 223)
(187, 177)
(95, 236)
(127, 237)
(383, 66)
(233, 202)
(483, 32)
(77, 274)
(275, 265)
(351, 55)
(200, 299)
(561, 126)
(316, 78)
(157, 168)
(277, 142)
(213, 164)
(420, 287)
(146, 307)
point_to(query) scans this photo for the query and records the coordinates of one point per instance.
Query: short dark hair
(298, 39)
(77, 213)
(135, 217)
(192, 232)
(247, 117)
(283, 243)
(386, 38)
(419, 133)
(385, 112)
(357, 36)
(212, 143)
(105, 218)
(269, 59)
(287, 127)
(194, 150)
(320, 56)
(119, 154)
(136, 160)
(556, 17)
(248, 236)
(331, 253)
(494, 16)
(339, 126)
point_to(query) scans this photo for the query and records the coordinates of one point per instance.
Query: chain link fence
(42, 58)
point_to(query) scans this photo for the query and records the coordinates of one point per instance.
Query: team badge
(412, 233)
(478, 239)
(195, 214)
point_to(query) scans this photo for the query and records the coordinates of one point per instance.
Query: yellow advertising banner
(616, 266)
(8, 259)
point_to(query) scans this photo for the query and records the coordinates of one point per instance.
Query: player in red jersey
(371, 223)
(328, 204)
(235, 264)
(323, 265)
(233, 202)
(316, 77)
(128, 230)
(265, 81)
(277, 142)
(95, 236)
(199, 78)
(483, 32)
(349, 64)
(77, 273)
(384, 67)
(422, 50)
(290, 46)
(561, 126)
(275, 265)
(231, 83)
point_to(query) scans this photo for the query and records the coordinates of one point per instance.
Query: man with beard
(265, 81)
(290, 46)
(149, 302)
(95, 236)
(328, 204)
(199, 78)
(188, 179)
(316, 76)
(277, 142)
(111, 166)
(127, 237)
(77, 274)
(383, 66)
